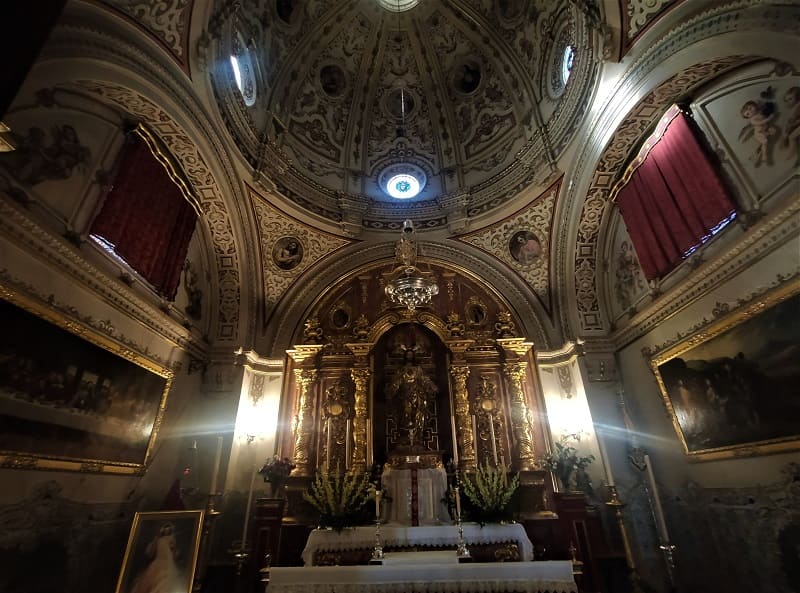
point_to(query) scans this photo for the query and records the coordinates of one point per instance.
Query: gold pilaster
(361, 380)
(466, 440)
(304, 425)
(520, 418)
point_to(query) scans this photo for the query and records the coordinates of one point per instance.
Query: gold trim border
(23, 460)
(706, 333)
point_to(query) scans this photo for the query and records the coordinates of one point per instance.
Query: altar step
(418, 558)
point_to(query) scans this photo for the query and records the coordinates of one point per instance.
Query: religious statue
(411, 389)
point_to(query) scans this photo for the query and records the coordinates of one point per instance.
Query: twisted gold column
(360, 377)
(304, 425)
(466, 440)
(520, 420)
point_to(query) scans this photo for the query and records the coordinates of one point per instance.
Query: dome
(470, 102)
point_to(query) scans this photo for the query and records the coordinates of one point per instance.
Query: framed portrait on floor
(732, 388)
(161, 554)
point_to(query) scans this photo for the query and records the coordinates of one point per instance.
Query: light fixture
(408, 285)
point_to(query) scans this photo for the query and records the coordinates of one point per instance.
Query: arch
(117, 71)
(669, 70)
(298, 302)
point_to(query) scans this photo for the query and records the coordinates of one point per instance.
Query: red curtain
(673, 201)
(147, 219)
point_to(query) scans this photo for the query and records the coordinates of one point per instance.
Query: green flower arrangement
(489, 493)
(339, 498)
(564, 461)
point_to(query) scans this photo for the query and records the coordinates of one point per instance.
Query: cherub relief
(791, 134)
(760, 116)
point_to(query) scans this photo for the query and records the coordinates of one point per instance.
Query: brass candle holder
(617, 505)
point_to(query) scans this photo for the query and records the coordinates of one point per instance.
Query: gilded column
(361, 380)
(304, 424)
(466, 440)
(520, 418)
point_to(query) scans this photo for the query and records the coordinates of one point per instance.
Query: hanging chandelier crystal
(408, 285)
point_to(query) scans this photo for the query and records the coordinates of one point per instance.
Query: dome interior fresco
(468, 96)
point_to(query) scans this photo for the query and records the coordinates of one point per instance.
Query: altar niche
(411, 395)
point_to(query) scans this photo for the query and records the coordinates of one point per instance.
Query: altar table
(397, 536)
(515, 577)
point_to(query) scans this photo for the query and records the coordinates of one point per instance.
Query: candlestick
(606, 462)
(659, 511)
(247, 510)
(217, 461)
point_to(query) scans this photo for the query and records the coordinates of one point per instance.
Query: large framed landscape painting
(161, 554)
(72, 398)
(733, 389)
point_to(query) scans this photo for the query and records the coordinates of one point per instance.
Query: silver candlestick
(461, 550)
(377, 551)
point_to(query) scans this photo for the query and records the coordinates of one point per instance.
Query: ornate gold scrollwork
(360, 378)
(520, 419)
(466, 440)
(304, 425)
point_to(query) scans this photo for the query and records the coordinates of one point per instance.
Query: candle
(475, 436)
(328, 444)
(247, 510)
(458, 503)
(606, 462)
(377, 504)
(217, 460)
(369, 442)
(347, 452)
(455, 438)
(494, 442)
(658, 511)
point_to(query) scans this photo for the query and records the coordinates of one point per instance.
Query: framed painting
(72, 398)
(161, 554)
(732, 389)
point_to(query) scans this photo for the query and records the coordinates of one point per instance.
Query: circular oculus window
(402, 181)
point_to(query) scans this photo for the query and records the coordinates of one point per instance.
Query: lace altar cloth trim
(522, 577)
(397, 536)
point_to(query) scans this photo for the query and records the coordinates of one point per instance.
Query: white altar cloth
(496, 577)
(431, 489)
(402, 537)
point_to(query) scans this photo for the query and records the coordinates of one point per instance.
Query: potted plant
(339, 498)
(568, 466)
(489, 493)
(275, 471)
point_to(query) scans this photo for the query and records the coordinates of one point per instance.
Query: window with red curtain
(146, 219)
(673, 198)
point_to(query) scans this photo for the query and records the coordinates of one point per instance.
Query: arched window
(147, 219)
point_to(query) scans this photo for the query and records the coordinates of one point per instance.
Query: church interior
(255, 254)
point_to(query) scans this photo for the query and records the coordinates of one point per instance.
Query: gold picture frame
(162, 552)
(730, 388)
(72, 397)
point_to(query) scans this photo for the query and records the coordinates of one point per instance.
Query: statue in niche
(411, 392)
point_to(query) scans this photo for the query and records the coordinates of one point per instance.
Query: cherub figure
(791, 135)
(760, 116)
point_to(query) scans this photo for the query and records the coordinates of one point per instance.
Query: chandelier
(407, 284)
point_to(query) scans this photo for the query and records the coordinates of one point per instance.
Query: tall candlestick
(494, 442)
(659, 512)
(217, 460)
(606, 462)
(247, 510)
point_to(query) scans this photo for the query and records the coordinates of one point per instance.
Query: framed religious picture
(71, 396)
(161, 553)
(731, 389)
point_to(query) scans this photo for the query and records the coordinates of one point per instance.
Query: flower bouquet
(276, 470)
(489, 493)
(339, 498)
(564, 461)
